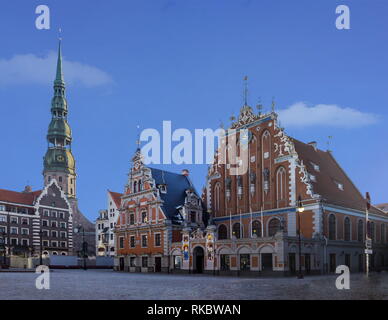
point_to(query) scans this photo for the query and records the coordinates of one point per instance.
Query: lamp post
(84, 244)
(41, 247)
(300, 209)
(2, 246)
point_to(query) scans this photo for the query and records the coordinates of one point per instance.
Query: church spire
(59, 162)
(59, 76)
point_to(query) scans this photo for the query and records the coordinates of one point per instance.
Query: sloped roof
(177, 184)
(27, 198)
(382, 206)
(116, 198)
(330, 173)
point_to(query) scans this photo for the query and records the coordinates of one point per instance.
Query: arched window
(140, 186)
(217, 197)
(256, 228)
(371, 231)
(237, 230)
(281, 188)
(382, 233)
(135, 187)
(273, 227)
(332, 227)
(347, 229)
(360, 231)
(222, 232)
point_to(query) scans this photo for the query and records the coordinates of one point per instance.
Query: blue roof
(177, 184)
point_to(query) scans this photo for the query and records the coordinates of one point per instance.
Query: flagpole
(262, 221)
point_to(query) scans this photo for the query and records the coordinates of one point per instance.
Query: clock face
(60, 158)
(137, 165)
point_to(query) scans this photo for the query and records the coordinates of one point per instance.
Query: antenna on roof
(329, 140)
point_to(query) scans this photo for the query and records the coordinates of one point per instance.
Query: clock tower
(59, 163)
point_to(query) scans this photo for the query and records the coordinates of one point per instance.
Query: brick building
(30, 219)
(254, 227)
(155, 208)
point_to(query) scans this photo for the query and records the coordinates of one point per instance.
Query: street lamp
(41, 248)
(300, 209)
(84, 243)
(3, 249)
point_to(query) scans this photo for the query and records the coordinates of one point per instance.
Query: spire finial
(273, 104)
(59, 77)
(138, 137)
(245, 90)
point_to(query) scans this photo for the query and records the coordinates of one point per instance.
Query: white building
(105, 224)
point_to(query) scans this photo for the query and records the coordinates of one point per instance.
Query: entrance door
(121, 264)
(361, 261)
(307, 262)
(158, 264)
(198, 256)
(333, 263)
(266, 259)
(292, 263)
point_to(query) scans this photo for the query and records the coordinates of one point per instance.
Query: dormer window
(339, 185)
(313, 178)
(315, 166)
(163, 188)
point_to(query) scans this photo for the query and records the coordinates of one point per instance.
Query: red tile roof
(116, 197)
(330, 173)
(19, 197)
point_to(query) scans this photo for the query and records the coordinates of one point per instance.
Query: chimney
(185, 172)
(313, 144)
(27, 189)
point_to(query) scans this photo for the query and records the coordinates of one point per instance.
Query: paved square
(107, 284)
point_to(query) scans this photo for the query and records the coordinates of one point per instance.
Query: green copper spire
(59, 159)
(59, 76)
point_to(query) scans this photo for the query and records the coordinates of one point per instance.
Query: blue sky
(142, 62)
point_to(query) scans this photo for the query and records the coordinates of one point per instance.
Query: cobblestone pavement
(107, 284)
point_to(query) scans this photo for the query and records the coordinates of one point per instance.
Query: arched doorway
(198, 260)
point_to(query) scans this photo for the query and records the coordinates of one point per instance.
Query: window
(61, 215)
(63, 225)
(45, 243)
(3, 219)
(111, 236)
(315, 166)
(25, 231)
(121, 242)
(54, 244)
(193, 216)
(225, 262)
(340, 186)
(163, 188)
(54, 234)
(2, 207)
(347, 229)
(371, 230)
(332, 227)
(44, 223)
(144, 242)
(132, 261)
(54, 214)
(3, 229)
(25, 221)
(144, 217)
(236, 230)
(382, 233)
(245, 262)
(14, 220)
(46, 213)
(177, 262)
(135, 187)
(222, 232)
(273, 226)
(63, 235)
(158, 241)
(14, 230)
(360, 231)
(132, 241)
(63, 244)
(131, 218)
(45, 233)
(14, 241)
(313, 178)
(217, 198)
(53, 224)
(144, 262)
(60, 179)
(25, 242)
(256, 228)
(281, 187)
